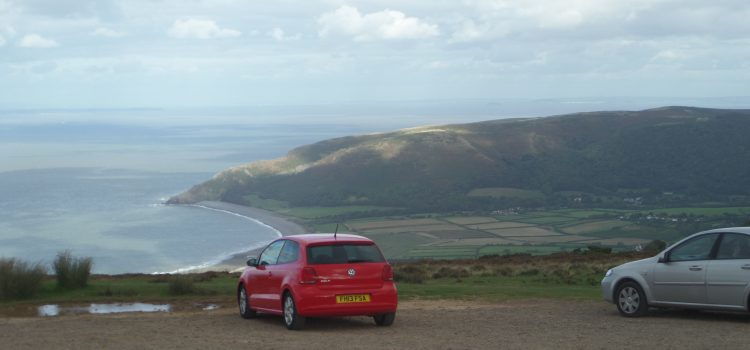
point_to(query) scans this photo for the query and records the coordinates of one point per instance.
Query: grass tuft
(182, 285)
(72, 272)
(19, 279)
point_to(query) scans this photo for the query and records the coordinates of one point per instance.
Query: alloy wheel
(629, 300)
(289, 310)
(243, 300)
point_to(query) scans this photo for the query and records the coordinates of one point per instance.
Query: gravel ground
(543, 324)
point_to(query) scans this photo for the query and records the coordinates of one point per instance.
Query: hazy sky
(110, 53)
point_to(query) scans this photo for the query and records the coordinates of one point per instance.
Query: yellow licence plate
(353, 298)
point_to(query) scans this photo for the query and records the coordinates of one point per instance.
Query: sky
(167, 53)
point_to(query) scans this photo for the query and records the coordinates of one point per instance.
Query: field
(505, 192)
(474, 234)
(536, 232)
(498, 225)
(468, 220)
(533, 231)
(701, 211)
(594, 226)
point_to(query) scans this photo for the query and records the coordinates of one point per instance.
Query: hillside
(664, 155)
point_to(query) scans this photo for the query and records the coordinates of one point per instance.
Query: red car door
(261, 295)
(278, 272)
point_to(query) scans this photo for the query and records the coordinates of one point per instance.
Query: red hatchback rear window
(343, 254)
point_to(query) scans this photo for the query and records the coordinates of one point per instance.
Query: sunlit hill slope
(677, 154)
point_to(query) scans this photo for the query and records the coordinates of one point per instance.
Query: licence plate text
(353, 298)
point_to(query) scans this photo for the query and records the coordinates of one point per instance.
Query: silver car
(707, 270)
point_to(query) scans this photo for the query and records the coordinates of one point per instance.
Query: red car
(319, 275)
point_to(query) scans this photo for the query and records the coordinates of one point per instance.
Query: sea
(93, 181)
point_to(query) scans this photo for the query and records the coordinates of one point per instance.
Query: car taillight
(308, 276)
(387, 273)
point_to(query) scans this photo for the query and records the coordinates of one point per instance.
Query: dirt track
(419, 325)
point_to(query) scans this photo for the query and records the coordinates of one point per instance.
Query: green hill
(664, 155)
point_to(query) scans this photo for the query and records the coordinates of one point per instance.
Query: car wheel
(384, 320)
(244, 304)
(292, 319)
(631, 300)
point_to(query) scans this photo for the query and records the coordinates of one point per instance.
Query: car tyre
(384, 320)
(243, 302)
(292, 319)
(631, 300)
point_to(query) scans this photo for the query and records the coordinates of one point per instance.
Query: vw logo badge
(351, 272)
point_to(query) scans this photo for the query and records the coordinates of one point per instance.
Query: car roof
(745, 230)
(328, 238)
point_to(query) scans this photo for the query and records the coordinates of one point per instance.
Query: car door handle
(746, 267)
(270, 273)
(696, 268)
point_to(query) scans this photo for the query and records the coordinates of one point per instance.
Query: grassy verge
(125, 288)
(497, 278)
(565, 275)
(140, 289)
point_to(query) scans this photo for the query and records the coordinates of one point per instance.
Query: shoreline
(236, 262)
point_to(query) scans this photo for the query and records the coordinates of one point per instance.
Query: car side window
(734, 246)
(271, 254)
(289, 253)
(698, 248)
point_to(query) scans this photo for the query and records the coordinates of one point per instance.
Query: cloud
(278, 35)
(37, 41)
(6, 32)
(470, 30)
(106, 32)
(69, 8)
(200, 29)
(382, 25)
(491, 19)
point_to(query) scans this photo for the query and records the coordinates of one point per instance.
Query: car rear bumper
(315, 302)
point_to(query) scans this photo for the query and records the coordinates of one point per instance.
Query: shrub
(182, 285)
(205, 276)
(478, 267)
(655, 246)
(72, 272)
(488, 257)
(19, 279)
(529, 272)
(109, 292)
(409, 274)
(596, 249)
(162, 278)
(504, 271)
(447, 272)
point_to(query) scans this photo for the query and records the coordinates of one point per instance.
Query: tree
(655, 246)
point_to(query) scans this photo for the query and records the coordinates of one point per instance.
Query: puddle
(209, 307)
(56, 310)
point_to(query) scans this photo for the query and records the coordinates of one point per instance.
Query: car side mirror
(252, 262)
(663, 259)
